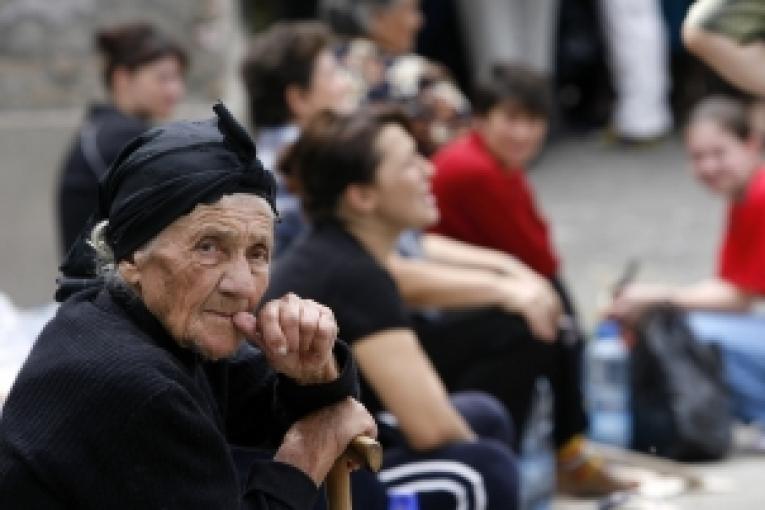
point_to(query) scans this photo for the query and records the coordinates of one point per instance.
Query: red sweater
(742, 254)
(487, 204)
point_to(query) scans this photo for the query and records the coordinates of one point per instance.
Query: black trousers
(494, 351)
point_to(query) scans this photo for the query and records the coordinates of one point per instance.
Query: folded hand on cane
(362, 452)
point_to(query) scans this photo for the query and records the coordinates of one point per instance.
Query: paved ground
(606, 206)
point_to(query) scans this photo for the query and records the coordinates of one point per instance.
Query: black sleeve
(171, 456)
(365, 300)
(114, 136)
(248, 394)
(20, 487)
(300, 400)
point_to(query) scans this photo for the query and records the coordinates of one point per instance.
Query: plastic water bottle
(402, 500)
(607, 387)
(537, 451)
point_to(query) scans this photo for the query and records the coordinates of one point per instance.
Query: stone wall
(47, 58)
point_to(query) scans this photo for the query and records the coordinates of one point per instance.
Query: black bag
(680, 403)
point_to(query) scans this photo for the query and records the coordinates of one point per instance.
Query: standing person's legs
(517, 31)
(541, 29)
(479, 475)
(638, 55)
(494, 32)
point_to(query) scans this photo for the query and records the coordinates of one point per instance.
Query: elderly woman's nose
(238, 277)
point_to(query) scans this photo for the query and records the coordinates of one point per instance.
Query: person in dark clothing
(144, 76)
(452, 451)
(135, 392)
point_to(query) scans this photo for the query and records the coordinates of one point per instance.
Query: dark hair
(514, 83)
(333, 152)
(350, 18)
(730, 114)
(281, 56)
(132, 45)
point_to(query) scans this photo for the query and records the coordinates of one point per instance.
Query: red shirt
(486, 204)
(742, 255)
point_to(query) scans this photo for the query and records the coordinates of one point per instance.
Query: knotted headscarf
(162, 175)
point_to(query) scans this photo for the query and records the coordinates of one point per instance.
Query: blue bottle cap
(607, 329)
(402, 500)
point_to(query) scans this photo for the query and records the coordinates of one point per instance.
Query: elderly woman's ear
(129, 273)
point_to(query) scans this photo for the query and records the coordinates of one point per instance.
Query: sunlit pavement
(607, 205)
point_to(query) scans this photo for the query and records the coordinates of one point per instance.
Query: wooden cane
(364, 451)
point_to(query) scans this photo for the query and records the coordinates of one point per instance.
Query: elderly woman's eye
(207, 246)
(259, 253)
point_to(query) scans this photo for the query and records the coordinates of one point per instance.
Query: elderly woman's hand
(314, 442)
(296, 335)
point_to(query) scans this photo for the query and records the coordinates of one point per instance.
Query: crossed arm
(714, 294)
(454, 274)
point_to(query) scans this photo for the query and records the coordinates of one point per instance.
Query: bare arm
(740, 64)
(425, 283)
(407, 384)
(713, 294)
(454, 252)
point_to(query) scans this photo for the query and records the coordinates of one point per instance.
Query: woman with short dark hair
(143, 72)
(362, 183)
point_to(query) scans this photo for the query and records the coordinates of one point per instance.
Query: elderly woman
(134, 391)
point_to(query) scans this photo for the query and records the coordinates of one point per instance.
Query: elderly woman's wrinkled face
(205, 267)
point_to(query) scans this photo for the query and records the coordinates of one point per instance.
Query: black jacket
(109, 412)
(103, 134)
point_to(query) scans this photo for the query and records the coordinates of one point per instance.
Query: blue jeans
(741, 338)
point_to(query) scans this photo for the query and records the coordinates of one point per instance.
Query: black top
(110, 412)
(330, 266)
(105, 131)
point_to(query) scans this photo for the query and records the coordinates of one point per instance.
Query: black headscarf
(162, 175)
